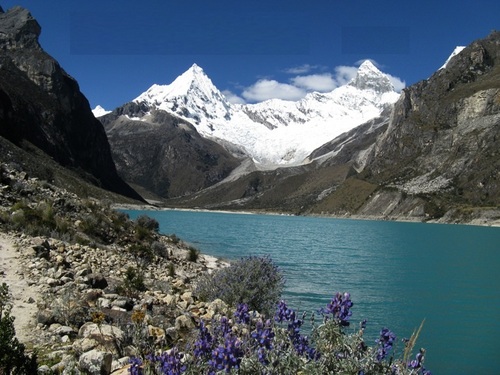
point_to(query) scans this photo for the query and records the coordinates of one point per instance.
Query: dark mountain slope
(42, 105)
(164, 154)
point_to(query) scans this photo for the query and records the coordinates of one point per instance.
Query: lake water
(397, 273)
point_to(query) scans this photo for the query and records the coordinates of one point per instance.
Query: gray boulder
(96, 362)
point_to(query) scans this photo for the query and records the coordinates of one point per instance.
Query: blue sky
(252, 50)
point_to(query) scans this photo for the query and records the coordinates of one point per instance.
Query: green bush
(133, 283)
(147, 222)
(141, 251)
(193, 254)
(159, 249)
(171, 269)
(13, 359)
(255, 281)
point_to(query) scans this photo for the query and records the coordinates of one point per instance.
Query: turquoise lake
(397, 273)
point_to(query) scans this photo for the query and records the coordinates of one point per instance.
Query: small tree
(13, 360)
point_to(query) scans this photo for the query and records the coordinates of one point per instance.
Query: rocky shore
(58, 288)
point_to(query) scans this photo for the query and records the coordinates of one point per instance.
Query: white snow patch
(99, 111)
(455, 52)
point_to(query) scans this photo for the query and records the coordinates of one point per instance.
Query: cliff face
(444, 134)
(41, 104)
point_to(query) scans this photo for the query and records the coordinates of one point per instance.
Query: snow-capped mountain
(274, 132)
(99, 111)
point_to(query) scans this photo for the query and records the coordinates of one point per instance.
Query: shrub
(95, 225)
(119, 221)
(159, 249)
(171, 269)
(174, 239)
(141, 251)
(147, 222)
(13, 359)
(256, 281)
(69, 309)
(133, 283)
(193, 254)
(142, 233)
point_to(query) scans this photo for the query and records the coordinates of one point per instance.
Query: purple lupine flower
(135, 366)
(223, 328)
(385, 342)
(263, 335)
(417, 363)
(204, 343)
(242, 314)
(340, 308)
(300, 343)
(170, 363)
(228, 356)
(283, 313)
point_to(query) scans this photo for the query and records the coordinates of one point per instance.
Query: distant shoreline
(483, 222)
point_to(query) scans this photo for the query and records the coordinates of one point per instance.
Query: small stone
(183, 322)
(104, 303)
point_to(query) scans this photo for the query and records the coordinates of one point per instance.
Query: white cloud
(343, 74)
(302, 69)
(265, 89)
(233, 98)
(315, 82)
(397, 83)
(302, 83)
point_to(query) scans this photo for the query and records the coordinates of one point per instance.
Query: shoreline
(480, 221)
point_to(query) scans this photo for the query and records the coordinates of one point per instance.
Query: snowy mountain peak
(368, 77)
(192, 81)
(273, 132)
(192, 95)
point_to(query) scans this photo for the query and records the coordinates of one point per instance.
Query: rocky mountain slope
(42, 107)
(443, 136)
(90, 287)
